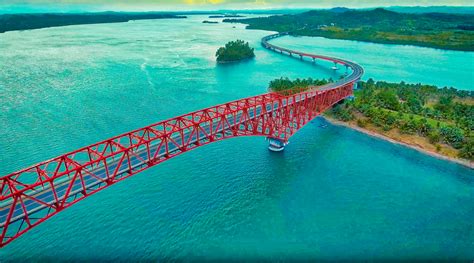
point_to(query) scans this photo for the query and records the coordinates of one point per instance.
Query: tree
(370, 82)
(467, 151)
(409, 127)
(434, 137)
(444, 106)
(423, 127)
(391, 119)
(342, 113)
(414, 104)
(388, 99)
(452, 136)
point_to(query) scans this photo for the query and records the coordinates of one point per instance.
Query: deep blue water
(333, 194)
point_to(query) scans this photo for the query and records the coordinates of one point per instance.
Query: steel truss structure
(32, 195)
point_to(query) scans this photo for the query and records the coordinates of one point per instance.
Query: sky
(152, 5)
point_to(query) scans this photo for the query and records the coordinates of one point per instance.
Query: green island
(234, 51)
(437, 120)
(438, 30)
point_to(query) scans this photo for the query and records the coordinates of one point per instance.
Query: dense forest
(11, 22)
(444, 116)
(439, 30)
(234, 51)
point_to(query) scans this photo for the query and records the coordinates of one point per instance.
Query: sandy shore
(383, 137)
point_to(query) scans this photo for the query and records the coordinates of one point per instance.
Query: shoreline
(388, 42)
(33, 21)
(234, 61)
(462, 162)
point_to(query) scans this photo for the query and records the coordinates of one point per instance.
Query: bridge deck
(34, 194)
(99, 174)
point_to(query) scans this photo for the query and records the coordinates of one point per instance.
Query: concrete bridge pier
(357, 85)
(276, 145)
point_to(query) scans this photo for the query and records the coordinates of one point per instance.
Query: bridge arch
(34, 194)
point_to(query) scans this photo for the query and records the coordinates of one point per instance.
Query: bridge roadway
(357, 70)
(49, 196)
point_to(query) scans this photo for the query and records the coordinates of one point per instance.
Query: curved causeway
(34, 194)
(357, 70)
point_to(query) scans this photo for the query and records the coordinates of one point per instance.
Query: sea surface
(334, 193)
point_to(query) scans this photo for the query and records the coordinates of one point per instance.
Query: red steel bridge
(34, 194)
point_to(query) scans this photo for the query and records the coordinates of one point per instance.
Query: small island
(209, 22)
(234, 51)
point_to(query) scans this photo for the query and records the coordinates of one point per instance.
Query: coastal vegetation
(438, 30)
(436, 119)
(286, 86)
(11, 22)
(234, 51)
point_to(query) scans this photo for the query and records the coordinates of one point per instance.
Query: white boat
(275, 148)
(276, 145)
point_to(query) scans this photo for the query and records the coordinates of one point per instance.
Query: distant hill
(339, 9)
(439, 30)
(433, 9)
(11, 22)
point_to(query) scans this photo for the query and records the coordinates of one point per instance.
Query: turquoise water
(333, 194)
(397, 63)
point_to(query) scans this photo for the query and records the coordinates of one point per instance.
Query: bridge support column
(357, 85)
(276, 145)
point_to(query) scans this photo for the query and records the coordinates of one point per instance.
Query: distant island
(12, 22)
(234, 51)
(209, 22)
(438, 30)
(224, 16)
